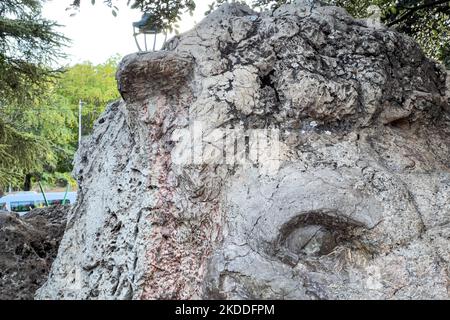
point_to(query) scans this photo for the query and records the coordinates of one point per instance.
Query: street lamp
(147, 26)
(80, 107)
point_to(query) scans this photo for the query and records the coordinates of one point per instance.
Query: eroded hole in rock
(268, 81)
(313, 235)
(401, 123)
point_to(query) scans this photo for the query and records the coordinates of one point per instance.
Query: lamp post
(80, 107)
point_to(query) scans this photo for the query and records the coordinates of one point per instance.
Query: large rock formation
(28, 246)
(293, 154)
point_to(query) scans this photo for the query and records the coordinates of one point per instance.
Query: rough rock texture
(354, 202)
(28, 246)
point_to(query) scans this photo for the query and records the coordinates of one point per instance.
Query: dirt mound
(28, 245)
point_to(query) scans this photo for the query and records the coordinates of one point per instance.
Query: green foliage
(41, 138)
(28, 47)
(61, 179)
(166, 12)
(20, 153)
(95, 85)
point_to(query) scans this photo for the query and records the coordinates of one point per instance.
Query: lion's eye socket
(312, 240)
(313, 235)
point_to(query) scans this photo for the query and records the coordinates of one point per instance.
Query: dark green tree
(20, 154)
(29, 47)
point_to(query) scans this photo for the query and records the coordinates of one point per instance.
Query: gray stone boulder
(293, 154)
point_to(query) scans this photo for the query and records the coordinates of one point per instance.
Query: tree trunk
(27, 183)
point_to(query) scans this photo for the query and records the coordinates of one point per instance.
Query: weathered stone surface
(347, 195)
(28, 246)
